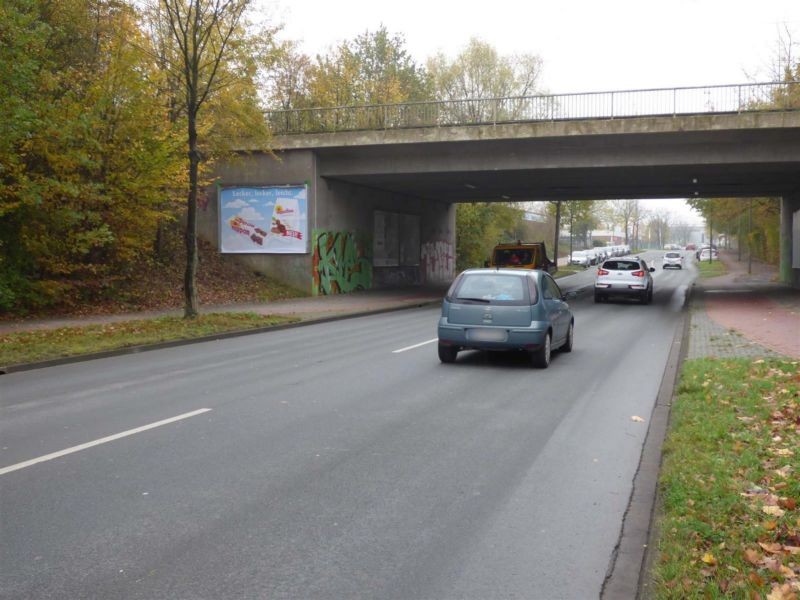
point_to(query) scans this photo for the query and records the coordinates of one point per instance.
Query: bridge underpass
(358, 181)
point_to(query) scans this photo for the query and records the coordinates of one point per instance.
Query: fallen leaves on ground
(751, 548)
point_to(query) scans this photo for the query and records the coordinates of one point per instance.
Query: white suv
(672, 259)
(626, 277)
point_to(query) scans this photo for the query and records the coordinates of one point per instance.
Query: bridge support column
(790, 240)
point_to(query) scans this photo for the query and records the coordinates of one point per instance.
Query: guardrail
(736, 98)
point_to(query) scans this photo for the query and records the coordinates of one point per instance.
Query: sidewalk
(306, 308)
(744, 315)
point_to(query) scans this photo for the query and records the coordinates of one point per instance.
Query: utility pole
(710, 240)
(571, 215)
(749, 229)
(558, 226)
(739, 240)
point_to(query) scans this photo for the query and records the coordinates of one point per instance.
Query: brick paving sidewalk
(709, 339)
(307, 308)
(744, 315)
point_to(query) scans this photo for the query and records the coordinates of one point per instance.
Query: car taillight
(602, 272)
(638, 273)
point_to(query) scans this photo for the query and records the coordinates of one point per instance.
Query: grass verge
(564, 271)
(31, 346)
(730, 483)
(711, 269)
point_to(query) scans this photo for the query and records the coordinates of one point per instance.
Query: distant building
(535, 217)
(608, 237)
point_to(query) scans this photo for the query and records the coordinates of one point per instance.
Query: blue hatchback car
(505, 309)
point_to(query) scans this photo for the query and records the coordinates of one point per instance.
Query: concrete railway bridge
(382, 181)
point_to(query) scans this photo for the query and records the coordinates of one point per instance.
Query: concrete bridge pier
(358, 237)
(790, 240)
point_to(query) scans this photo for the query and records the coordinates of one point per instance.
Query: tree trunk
(190, 276)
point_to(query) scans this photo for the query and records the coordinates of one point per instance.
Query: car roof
(517, 272)
(523, 245)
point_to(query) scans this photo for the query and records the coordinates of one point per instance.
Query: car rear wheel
(447, 354)
(567, 347)
(541, 357)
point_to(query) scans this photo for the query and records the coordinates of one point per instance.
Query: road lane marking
(415, 346)
(104, 440)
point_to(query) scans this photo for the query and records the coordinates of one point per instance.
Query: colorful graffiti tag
(340, 264)
(437, 260)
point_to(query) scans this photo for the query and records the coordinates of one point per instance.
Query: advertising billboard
(263, 220)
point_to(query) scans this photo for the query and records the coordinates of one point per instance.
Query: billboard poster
(263, 220)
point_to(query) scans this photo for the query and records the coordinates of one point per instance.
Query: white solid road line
(109, 438)
(415, 346)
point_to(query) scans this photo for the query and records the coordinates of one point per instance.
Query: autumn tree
(658, 227)
(374, 68)
(286, 77)
(86, 156)
(204, 31)
(579, 215)
(754, 222)
(479, 72)
(480, 226)
(623, 213)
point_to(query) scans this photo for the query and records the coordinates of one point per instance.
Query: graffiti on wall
(340, 264)
(437, 260)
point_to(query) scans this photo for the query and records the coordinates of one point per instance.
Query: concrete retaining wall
(790, 240)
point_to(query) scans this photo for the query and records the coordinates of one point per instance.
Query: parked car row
(596, 255)
(703, 252)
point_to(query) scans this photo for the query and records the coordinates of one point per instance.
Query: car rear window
(506, 257)
(672, 255)
(491, 288)
(621, 265)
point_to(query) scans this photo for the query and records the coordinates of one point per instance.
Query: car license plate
(487, 335)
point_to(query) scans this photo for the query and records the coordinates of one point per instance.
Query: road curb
(7, 369)
(626, 577)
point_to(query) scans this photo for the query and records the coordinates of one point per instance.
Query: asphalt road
(331, 466)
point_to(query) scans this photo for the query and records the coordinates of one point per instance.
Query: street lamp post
(571, 211)
(710, 240)
(749, 230)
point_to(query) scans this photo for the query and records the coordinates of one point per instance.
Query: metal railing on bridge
(720, 99)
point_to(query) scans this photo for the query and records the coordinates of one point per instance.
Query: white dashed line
(415, 346)
(110, 438)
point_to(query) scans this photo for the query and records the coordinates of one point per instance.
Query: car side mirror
(652, 269)
(570, 296)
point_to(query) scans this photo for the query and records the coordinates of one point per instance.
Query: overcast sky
(586, 45)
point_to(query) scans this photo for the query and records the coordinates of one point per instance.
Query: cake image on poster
(265, 220)
(286, 222)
